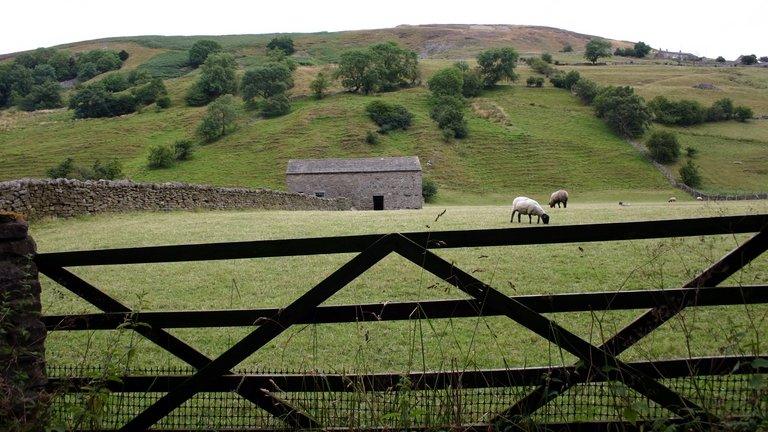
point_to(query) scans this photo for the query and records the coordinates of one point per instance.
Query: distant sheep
(624, 204)
(672, 199)
(561, 196)
(699, 198)
(526, 206)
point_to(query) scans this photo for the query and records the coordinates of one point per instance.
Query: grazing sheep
(623, 204)
(526, 206)
(672, 199)
(699, 198)
(561, 196)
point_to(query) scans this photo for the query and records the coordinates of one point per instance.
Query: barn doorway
(378, 202)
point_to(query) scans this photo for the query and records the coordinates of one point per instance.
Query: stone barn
(381, 183)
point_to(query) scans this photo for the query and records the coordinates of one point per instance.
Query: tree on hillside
(219, 117)
(748, 59)
(623, 110)
(497, 64)
(395, 67)
(720, 59)
(357, 71)
(663, 147)
(266, 81)
(94, 101)
(320, 84)
(764, 59)
(42, 96)
(446, 82)
(567, 48)
(642, 49)
(217, 78)
(282, 43)
(597, 48)
(201, 50)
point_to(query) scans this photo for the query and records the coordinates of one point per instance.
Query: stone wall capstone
(67, 198)
(23, 398)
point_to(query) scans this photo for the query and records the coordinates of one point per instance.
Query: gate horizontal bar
(434, 309)
(549, 234)
(487, 378)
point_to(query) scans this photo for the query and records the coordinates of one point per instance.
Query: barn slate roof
(356, 165)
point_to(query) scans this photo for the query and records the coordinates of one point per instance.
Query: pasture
(404, 345)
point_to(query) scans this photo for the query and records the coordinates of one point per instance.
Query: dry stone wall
(67, 198)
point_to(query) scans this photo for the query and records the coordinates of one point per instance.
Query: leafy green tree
(448, 81)
(219, 118)
(108, 171)
(547, 57)
(115, 82)
(567, 48)
(497, 64)
(663, 147)
(282, 43)
(43, 73)
(320, 84)
(150, 92)
(428, 189)
(357, 71)
(42, 96)
(748, 59)
(160, 156)
(278, 56)
(163, 102)
(624, 111)
(597, 48)
(101, 60)
(266, 81)
(138, 76)
(275, 106)
(94, 101)
(448, 112)
(682, 112)
(642, 49)
(566, 80)
(200, 51)
(86, 71)
(123, 55)
(15, 81)
(62, 170)
(743, 113)
(473, 84)
(689, 174)
(395, 67)
(720, 59)
(721, 109)
(217, 78)
(585, 90)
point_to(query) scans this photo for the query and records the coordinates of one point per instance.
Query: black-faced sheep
(561, 196)
(527, 206)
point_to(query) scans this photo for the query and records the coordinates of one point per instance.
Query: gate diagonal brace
(646, 323)
(603, 362)
(264, 400)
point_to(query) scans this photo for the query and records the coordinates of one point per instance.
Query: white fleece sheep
(560, 196)
(526, 206)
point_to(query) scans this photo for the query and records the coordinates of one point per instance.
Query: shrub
(585, 90)
(389, 116)
(371, 137)
(95, 62)
(567, 48)
(148, 93)
(497, 64)
(473, 84)
(138, 76)
(43, 73)
(183, 149)
(87, 71)
(691, 152)
(448, 81)
(282, 43)
(720, 59)
(720, 110)
(683, 112)
(319, 85)
(565, 81)
(108, 171)
(542, 67)
(42, 96)
(742, 113)
(160, 156)
(163, 102)
(748, 59)
(217, 78)
(93, 101)
(428, 189)
(663, 147)
(547, 57)
(448, 112)
(276, 106)
(266, 81)
(689, 174)
(597, 48)
(62, 170)
(115, 82)
(219, 117)
(531, 81)
(200, 51)
(123, 55)
(623, 110)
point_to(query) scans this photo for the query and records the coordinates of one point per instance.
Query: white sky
(702, 27)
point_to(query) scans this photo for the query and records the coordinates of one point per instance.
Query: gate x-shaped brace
(596, 360)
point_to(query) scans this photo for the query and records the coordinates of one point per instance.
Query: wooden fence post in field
(23, 399)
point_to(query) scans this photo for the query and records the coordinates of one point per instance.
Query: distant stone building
(382, 183)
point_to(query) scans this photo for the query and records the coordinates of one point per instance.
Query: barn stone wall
(400, 189)
(67, 198)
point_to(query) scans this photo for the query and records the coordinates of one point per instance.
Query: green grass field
(411, 345)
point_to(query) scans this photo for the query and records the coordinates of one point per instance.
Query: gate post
(23, 399)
